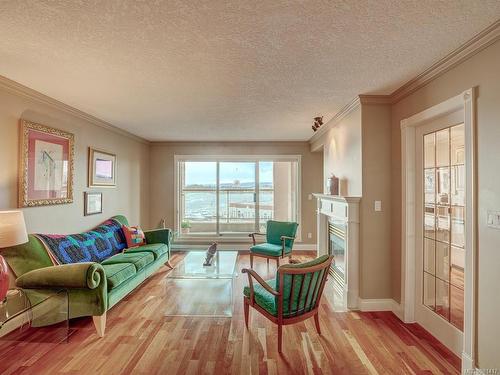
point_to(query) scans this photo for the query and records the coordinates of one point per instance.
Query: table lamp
(12, 233)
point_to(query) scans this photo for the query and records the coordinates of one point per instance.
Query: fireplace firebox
(336, 247)
(338, 235)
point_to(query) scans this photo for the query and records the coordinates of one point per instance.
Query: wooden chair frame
(280, 320)
(277, 258)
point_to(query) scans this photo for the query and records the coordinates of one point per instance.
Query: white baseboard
(236, 246)
(468, 364)
(388, 304)
(398, 310)
(384, 304)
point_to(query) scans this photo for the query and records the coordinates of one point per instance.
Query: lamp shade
(12, 229)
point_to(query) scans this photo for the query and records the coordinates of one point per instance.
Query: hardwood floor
(141, 340)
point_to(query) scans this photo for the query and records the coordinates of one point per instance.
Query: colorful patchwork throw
(95, 245)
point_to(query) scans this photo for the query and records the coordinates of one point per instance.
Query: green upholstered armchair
(280, 236)
(291, 297)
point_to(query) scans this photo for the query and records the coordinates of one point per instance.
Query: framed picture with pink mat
(46, 165)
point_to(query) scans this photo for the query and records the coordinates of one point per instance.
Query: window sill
(188, 239)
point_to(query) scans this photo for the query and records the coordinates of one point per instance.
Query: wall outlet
(493, 219)
(378, 206)
(309, 235)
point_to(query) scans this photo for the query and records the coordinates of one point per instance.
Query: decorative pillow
(134, 236)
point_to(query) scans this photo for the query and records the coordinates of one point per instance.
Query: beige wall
(375, 230)
(342, 154)
(358, 150)
(130, 197)
(162, 174)
(482, 70)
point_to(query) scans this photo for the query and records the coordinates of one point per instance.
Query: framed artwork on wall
(45, 165)
(102, 168)
(93, 203)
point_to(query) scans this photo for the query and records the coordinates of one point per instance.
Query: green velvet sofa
(93, 288)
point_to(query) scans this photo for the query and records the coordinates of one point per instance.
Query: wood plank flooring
(140, 339)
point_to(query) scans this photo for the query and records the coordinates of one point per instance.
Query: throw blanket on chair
(95, 245)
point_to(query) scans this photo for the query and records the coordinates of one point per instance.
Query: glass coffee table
(198, 290)
(29, 318)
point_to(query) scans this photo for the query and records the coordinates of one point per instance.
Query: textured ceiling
(227, 70)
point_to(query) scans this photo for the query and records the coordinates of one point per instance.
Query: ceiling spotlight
(318, 121)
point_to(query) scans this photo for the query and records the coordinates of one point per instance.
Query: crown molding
(375, 99)
(479, 42)
(482, 40)
(232, 142)
(26, 92)
(347, 109)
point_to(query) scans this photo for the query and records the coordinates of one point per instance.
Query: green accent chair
(93, 288)
(280, 236)
(293, 296)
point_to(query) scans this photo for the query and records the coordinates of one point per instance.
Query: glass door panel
(266, 206)
(443, 148)
(457, 139)
(442, 261)
(429, 297)
(443, 185)
(458, 185)
(429, 256)
(237, 197)
(198, 202)
(443, 298)
(430, 186)
(458, 226)
(444, 223)
(457, 307)
(430, 221)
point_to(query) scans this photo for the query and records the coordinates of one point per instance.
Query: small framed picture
(93, 203)
(102, 168)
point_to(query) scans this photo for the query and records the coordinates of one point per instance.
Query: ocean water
(202, 205)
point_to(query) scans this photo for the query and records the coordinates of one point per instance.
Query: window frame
(229, 158)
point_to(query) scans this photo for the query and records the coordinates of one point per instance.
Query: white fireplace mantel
(344, 210)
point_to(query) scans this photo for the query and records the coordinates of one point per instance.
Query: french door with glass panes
(440, 228)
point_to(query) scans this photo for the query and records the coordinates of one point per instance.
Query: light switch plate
(378, 206)
(493, 219)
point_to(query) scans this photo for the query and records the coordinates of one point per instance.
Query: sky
(204, 173)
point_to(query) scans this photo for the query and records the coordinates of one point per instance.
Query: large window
(233, 196)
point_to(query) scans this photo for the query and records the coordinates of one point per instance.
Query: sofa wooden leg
(100, 324)
(168, 264)
(251, 260)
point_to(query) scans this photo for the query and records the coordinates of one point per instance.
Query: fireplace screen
(336, 246)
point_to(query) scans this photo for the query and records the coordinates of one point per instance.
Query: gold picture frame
(46, 165)
(101, 168)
